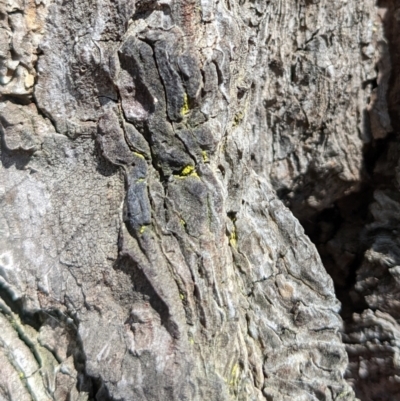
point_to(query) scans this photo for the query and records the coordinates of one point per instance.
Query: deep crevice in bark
(345, 223)
(351, 228)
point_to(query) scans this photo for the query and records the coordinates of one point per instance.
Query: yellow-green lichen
(142, 229)
(233, 234)
(205, 156)
(237, 119)
(234, 378)
(344, 394)
(140, 180)
(185, 108)
(233, 238)
(182, 296)
(14, 324)
(138, 155)
(188, 171)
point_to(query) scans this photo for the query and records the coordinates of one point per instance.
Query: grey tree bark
(150, 153)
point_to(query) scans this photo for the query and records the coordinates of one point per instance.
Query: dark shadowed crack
(357, 236)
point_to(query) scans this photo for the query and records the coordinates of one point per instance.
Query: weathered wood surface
(148, 150)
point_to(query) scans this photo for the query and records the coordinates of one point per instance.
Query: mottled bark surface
(150, 153)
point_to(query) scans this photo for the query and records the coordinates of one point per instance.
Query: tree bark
(149, 153)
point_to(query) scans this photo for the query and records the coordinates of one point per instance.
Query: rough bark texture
(148, 150)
